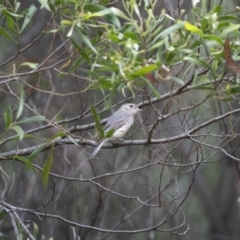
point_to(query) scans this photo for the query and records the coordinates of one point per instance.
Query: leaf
(47, 167)
(31, 11)
(44, 4)
(229, 29)
(72, 140)
(169, 30)
(7, 118)
(213, 38)
(101, 11)
(198, 62)
(85, 39)
(32, 119)
(28, 164)
(157, 45)
(30, 64)
(21, 102)
(97, 121)
(193, 28)
(19, 131)
(144, 70)
(57, 135)
(178, 80)
(35, 153)
(154, 91)
(5, 34)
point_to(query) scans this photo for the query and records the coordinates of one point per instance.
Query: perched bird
(119, 122)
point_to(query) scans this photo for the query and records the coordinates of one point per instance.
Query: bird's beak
(139, 110)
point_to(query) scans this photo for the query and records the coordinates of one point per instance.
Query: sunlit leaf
(21, 103)
(31, 11)
(144, 70)
(19, 131)
(193, 28)
(29, 64)
(198, 62)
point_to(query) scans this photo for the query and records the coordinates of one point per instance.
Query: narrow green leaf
(144, 70)
(227, 30)
(5, 34)
(21, 102)
(7, 118)
(32, 119)
(73, 140)
(28, 164)
(19, 131)
(31, 11)
(60, 134)
(197, 61)
(169, 30)
(178, 80)
(35, 153)
(95, 10)
(44, 4)
(193, 28)
(85, 39)
(47, 167)
(152, 88)
(213, 38)
(97, 121)
(30, 64)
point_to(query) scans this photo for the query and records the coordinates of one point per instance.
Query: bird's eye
(131, 106)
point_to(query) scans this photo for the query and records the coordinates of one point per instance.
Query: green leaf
(178, 80)
(30, 64)
(97, 121)
(193, 28)
(60, 134)
(85, 39)
(32, 119)
(227, 30)
(35, 153)
(47, 167)
(169, 30)
(156, 45)
(101, 11)
(152, 88)
(73, 140)
(44, 4)
(31, 11)
(28, 164)
(19, 131)
(144, 70)
(197, 61)
(5, 34)
(21, 103)
(8, 118)
(213, 38)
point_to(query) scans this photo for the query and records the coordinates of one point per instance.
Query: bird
(119, 122)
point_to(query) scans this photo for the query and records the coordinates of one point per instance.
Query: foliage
(60, 75)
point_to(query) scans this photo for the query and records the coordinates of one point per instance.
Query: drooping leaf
(47, 167)
(31, 11)
(19, 131)
(21, 103)
(97, 121)
(32, 119)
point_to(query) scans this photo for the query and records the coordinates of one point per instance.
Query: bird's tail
(98, 148)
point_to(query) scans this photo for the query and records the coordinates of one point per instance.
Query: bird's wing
(116, 121)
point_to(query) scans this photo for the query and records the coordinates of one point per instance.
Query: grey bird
(120, 122)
